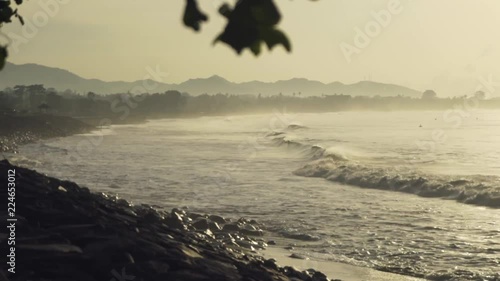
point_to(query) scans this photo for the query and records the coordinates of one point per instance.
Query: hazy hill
(61, 79)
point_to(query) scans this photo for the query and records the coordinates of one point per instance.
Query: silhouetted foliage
(7, 12)
(249, 24)
(43, 107)
(480, 95)
(429, 94)
(193, 16)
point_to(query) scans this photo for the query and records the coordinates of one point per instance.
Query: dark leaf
(225, 10)
(5, 14)
(255, 48)
(3, 56)
(265, 12)
(19, 17)
(250, 23)
(241, 31)
(274, 37)
(193, 16)
(238, 37)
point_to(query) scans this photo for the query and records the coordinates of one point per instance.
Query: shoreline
(284, 251)
(65, 230)
(19, 130)
(332, 269)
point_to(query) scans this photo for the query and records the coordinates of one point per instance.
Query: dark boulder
(217, 219)
(201, 224)
(231, 228)
(73, 234)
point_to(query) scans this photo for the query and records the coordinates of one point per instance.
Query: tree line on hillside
(36, 99)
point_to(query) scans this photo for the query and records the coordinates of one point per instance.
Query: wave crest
(470, 191)
(292, 127)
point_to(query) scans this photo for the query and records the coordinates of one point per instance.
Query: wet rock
(217, 219)
(231, 228)
(318, 276)
(175, 221)
(77, 235)
(295, 273)
(262, 244)
(75, 229)
(214, 227)
(223, 236)
(297, 256)
(56, 248)
(252, 232)
(122, 257)
(123, 202)
(18, 130)
(271, 263)
(249, 227)
(250, 244)
(194, 216)
(180, 212)
(243, 221)
(209, 233)
(301, 236)
(201, 224)
(148, 215)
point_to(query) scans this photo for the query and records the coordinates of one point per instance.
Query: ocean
(415, 193)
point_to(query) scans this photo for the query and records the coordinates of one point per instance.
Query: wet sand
(334, 270)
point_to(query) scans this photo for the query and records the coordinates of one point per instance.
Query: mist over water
(273, 168)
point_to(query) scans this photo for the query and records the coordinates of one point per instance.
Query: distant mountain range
(60, 79)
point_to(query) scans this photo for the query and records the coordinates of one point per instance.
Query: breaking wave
(22, 161)
(310, 151)
(477, 190)
(293, 127)
(334, 166)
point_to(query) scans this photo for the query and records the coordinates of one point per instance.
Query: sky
(451, 46)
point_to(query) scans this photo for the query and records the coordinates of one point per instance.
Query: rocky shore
(18, 130)
(66, 232)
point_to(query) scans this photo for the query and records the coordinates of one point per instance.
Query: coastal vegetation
(127, 107)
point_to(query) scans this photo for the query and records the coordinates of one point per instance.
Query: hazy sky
(447, 45)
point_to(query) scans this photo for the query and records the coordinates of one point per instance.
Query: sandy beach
(334, 270)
